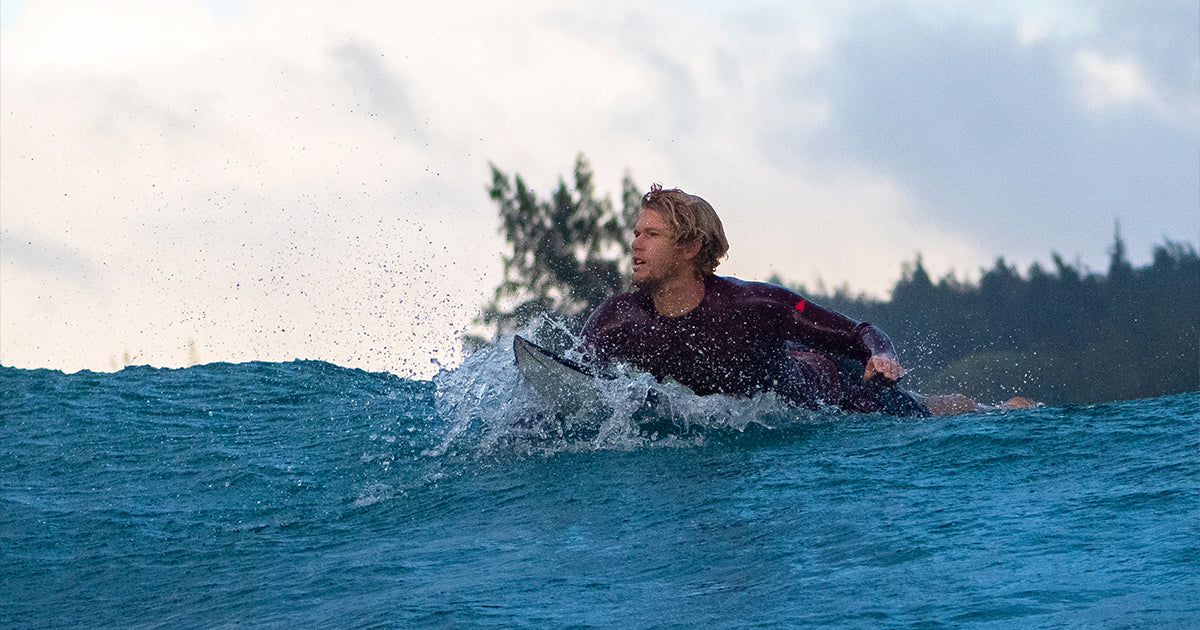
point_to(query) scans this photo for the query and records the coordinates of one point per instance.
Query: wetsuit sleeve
(874, 340)
(821, 328)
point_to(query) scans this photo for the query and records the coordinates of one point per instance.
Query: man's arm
(821, 327)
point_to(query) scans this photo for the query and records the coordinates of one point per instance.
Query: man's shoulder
(750, 291)
(617, 308)
(632, 299)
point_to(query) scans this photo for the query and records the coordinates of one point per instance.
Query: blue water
(306, 495)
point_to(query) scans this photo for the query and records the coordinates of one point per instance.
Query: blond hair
(690, 219)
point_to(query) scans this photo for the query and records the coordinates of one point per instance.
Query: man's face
(657, 258)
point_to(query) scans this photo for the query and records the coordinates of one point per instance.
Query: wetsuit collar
(647, 300)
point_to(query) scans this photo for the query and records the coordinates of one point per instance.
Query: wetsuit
(745, 338)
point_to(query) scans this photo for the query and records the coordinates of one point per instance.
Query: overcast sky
(292, 179)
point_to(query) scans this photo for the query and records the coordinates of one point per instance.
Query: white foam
(485, 406)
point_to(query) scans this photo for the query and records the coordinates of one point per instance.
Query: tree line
(1061, 335)
(1065, 335)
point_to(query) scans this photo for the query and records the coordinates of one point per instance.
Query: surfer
(719, 335)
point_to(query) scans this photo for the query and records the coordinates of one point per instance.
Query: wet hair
(690, 218)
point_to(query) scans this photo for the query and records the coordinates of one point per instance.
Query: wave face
(308, 495)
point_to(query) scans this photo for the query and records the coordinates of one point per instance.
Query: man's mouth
(637, 262)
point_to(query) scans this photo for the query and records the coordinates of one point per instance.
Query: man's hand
(883, 366)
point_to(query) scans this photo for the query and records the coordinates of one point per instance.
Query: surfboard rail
(567, 384)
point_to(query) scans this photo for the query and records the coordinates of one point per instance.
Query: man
(719, 335)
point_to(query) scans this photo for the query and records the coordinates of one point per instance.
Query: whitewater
(308, 495)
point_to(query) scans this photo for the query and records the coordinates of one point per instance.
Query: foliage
(1062, 337)
(569, 252)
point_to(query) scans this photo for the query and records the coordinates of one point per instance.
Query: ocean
(307, 495)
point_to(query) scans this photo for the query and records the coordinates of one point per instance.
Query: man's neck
(678, 297)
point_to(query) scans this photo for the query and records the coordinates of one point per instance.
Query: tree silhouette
(569, 252)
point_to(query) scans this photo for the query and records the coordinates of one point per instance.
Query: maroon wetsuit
(743, 338)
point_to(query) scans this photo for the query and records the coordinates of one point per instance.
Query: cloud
(987, 132)
(30, 253)
(383, 93)
(268, 205)
(1109, 84)
(279, 179)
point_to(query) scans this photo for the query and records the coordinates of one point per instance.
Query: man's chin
(643, 283)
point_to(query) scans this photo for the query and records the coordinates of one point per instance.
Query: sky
(194, 181)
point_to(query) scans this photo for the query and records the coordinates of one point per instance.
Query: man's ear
(691, 249)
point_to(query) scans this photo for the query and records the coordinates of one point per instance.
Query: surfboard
(567, 384)
(570, 387)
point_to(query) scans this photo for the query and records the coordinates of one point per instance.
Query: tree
(569, 252)
(1120, 272)
(1060, 336)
